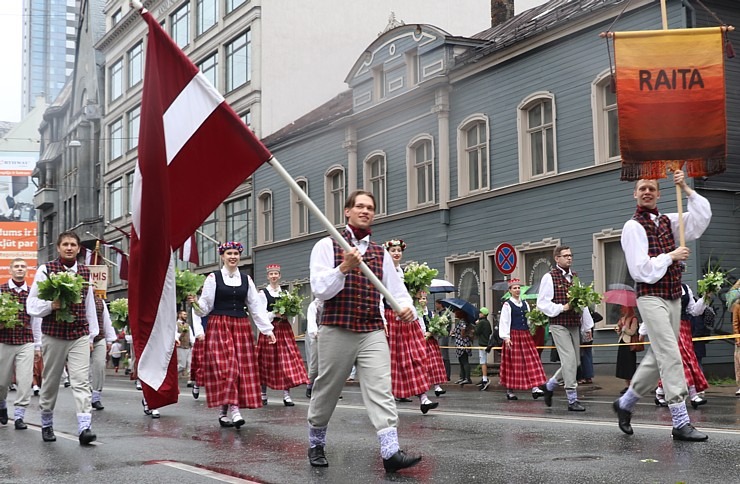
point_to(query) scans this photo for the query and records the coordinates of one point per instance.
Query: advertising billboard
(18, 224)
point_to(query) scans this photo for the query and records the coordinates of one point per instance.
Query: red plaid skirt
(409, 372)
(230, 373)
(196, 362)
(435, 365)
(691, 368)
(281, 365)
(521, 366)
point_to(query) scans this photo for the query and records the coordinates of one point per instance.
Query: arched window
(299, 211)
(375, 180)
(264, 227)
(606, 125)
(472, 166)
(537, 142)
(334, 194)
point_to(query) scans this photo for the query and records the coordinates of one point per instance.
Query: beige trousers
(339, 349)
(20, 359)
(97, 365)
(568, 343)
(76, 354)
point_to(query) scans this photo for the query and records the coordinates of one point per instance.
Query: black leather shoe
(404, 400)
(698, 403)
(399, 461)
(425, 407)
(288, 402)
(576, 407)
(195, 391)
(87, 437)
(689, 434)
(660, 403)
(20, 424)
(440, 392)
(146, 408)
(189, 384)
(316, 457)
(624, 418)
(97, 406)
(309, 391)
(66, 383)
(547, 395)
(511, 396)
(47, 433)
(224, 421)
(3, 416)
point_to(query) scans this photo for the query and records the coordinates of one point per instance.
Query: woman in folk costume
(695, 379)
(435, 365)
(521, 366)
(198, 355)
(281, 365)
(230, 370)
(409, 371)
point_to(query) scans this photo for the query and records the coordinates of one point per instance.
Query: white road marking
(217, 476)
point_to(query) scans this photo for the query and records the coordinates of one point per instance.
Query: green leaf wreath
(581, 296)
(119, 313)
(9, 308)
(289, 303)
(66, 288)
(536, 319)
(418, 277)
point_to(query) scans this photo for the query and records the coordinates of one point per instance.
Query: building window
(209, 67)
(115, 199)
(115, 83)
(265, 218)
(135, 65)
(130, 192)
(420, 155)
(115, 138)
(334, 193)
(207, 11)
(239, 61)
(233, 4)
(611, 272)
(206, 249)
(472, 142)
(537, 149)
(299, 217)
(112, 255)
(466, 277)
(606, 125)
(133, 118)
(375, 180)
(239, 220)
(247, 118)
(116, 17)
(180, 24)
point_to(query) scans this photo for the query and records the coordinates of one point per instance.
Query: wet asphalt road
(473, 437)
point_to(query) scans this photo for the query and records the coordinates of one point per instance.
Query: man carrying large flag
(185, 124)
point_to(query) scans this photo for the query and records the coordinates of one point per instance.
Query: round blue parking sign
(505, 258)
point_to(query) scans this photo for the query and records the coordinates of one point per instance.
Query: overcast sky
(11, 31)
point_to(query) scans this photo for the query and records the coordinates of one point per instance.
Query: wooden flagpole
(331, 229)
(677, 165)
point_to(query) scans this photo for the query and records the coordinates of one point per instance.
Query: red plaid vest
(356, 307)
(59, 329)
(560, 284)
(20, 334)
(660, 241)
(99, 311)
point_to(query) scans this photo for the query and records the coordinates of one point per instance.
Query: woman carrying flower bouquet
(230, 369)
(521, 366)
(435, 364)
(281, 365)
(409, 372)
(64, 342)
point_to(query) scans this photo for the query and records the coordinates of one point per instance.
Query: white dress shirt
(108, 329)
(35, 322)
(504, 320)
(327, 280)
(650, 270)
(313, 315)
(255, 303)
(41, 307)
(544, 301)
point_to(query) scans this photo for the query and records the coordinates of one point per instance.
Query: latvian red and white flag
(189, 251)
(190, 141)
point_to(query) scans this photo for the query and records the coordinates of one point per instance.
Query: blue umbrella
(470, 311)
(440, 285)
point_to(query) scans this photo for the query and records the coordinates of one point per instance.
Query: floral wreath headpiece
(273, 267)
(395, 243)
(230, 245)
